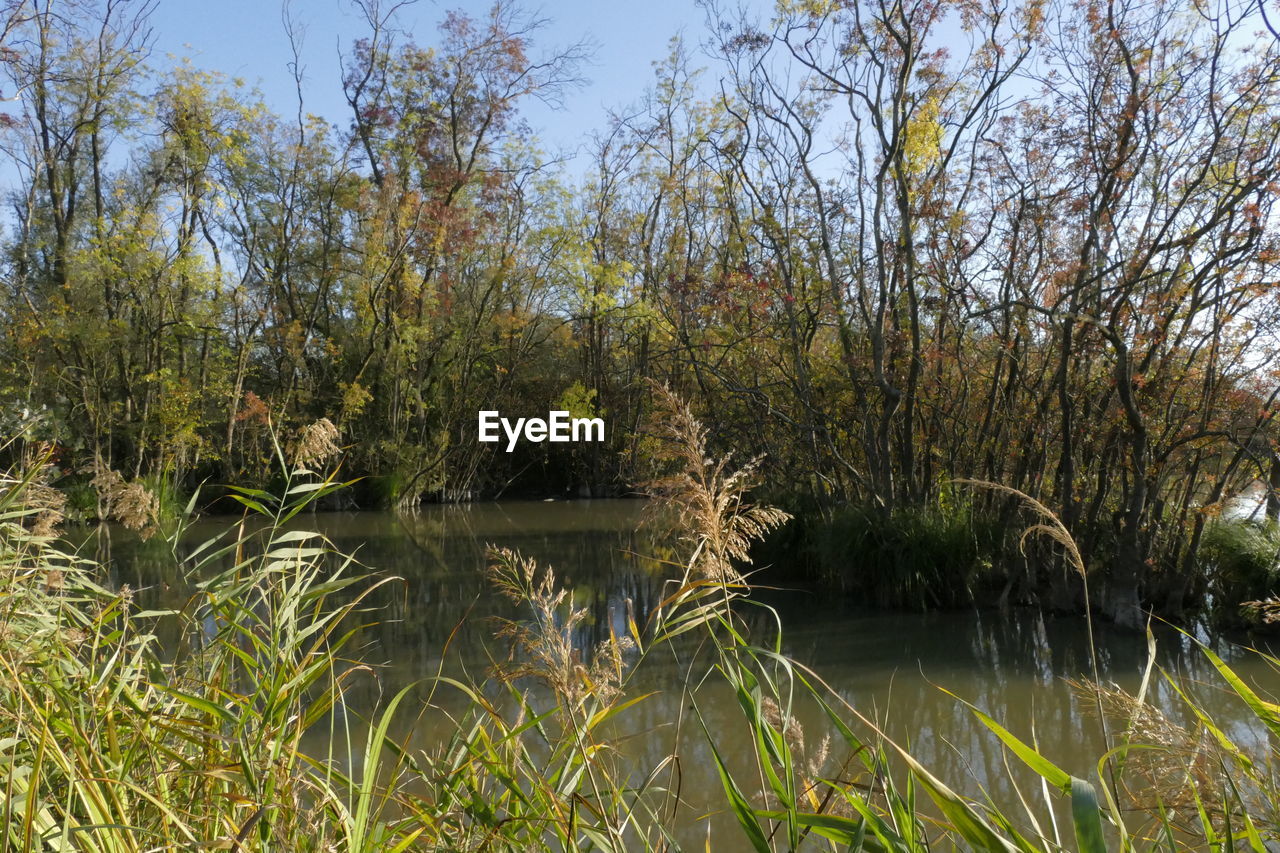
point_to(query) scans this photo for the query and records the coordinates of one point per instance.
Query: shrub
(1241, 557)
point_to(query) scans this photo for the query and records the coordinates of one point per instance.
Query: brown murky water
(890, 666)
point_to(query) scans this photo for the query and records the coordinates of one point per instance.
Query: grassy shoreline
(109, 745)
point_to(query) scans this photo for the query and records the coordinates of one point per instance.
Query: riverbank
(612, 662)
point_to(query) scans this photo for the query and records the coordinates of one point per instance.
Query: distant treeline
(888, 244)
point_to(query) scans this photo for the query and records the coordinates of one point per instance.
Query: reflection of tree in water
(1012, 664)
(439, 552)
(888, 665)
(426, 532)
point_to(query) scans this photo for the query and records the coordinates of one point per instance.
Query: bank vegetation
(238, 735)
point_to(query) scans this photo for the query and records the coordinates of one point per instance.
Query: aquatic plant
(109, 743)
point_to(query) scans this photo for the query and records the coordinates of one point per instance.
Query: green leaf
(1087, 817)
(741, 808)
(1055, 775)
(1267, 712)
(199, 703)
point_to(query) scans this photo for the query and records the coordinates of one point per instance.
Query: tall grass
(941, 554)
(1162, 785)
(108, 742)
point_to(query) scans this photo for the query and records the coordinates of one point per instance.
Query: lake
(889, 665)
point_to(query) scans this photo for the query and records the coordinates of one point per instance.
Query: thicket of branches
(887, 243)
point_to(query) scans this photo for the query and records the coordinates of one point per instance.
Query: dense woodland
(889, 244)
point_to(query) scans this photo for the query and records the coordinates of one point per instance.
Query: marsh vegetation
(930, 306)
(242, 733)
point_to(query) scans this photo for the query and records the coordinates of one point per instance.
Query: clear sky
(246, 38)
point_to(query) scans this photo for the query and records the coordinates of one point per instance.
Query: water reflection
(888, 665)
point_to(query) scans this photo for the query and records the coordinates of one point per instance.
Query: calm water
(888, 665)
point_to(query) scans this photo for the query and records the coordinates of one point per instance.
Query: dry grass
(131, 504)
(1263, 612)
(707, 495)
(315, 444)
(544, 648)
(1175, 766)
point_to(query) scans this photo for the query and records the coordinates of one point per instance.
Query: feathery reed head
(546, 641)
(316, 443)
(132, 504)
(707, 494)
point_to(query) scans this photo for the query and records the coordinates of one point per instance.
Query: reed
(1164, 786)
(109, 743)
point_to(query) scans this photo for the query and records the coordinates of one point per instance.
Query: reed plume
(546, 642)
(707, 494)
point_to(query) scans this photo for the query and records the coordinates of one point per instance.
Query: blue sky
(246, 38)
